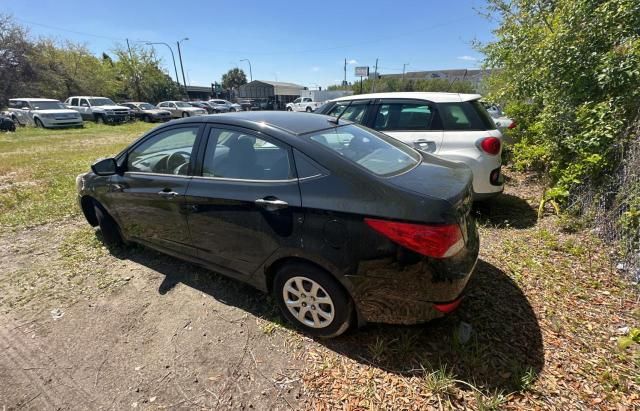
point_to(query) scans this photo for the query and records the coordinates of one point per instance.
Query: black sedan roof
(293, 123)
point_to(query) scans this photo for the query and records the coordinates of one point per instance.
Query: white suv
(453, 126)
(43, 112)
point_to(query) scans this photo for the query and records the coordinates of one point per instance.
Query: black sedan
(342, 224)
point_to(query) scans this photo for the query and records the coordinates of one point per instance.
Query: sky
(303, 42)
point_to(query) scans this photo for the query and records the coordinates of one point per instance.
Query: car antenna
(337, 119)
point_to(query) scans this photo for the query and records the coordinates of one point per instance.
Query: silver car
(228, 106)
(180, 109)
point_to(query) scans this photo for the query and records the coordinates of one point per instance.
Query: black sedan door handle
(271, 204)
(168, 194)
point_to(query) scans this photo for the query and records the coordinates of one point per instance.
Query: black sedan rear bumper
(408, 288)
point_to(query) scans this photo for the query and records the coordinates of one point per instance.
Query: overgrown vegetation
(569, 73)
(383, 85)
(44, 68)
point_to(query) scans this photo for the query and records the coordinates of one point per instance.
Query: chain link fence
(613, 208)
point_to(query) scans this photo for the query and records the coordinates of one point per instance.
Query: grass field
(38, 168)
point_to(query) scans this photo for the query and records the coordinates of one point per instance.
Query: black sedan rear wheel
(312, 300)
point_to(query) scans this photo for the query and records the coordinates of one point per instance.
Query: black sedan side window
(236, 155)
(168, 152)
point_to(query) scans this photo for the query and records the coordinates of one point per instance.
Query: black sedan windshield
(380, 156)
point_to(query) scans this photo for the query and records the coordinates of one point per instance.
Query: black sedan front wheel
(312, 300)
(108, 227)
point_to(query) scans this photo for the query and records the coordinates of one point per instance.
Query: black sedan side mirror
(105, 167)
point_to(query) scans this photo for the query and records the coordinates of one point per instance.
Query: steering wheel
(176, 160)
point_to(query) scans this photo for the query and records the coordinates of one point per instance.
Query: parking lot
(82, 326)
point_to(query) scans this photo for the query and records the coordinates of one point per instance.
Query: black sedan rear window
(376, 152)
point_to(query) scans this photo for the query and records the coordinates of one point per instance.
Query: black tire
(185, 114)
(100, 119)
(308, 110)
(108, 226)
(342, 304)
(38, 123)
(289, 109)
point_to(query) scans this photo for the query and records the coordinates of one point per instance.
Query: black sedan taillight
(439, 241)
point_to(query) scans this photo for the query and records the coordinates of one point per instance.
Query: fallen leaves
(546, 312)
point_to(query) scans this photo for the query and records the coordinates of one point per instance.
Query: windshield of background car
(180, 104)
(47, 105)
(465, 116)
(377, 153)
(101, 102)
(147, 106)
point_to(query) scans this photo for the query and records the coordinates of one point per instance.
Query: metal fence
(614, 208)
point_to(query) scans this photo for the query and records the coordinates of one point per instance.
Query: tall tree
(233, 79)
(16, 71)
(569, 71)
(140, 71)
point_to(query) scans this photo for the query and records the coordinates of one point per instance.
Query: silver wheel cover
(308, 302)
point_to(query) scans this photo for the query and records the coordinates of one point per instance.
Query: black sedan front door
(245, 202)
(148, 199)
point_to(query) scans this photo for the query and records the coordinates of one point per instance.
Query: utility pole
(375, 77)
(344, 82)
(182, 66)
(134, 72)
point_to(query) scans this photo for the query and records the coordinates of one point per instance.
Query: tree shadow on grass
(504, 352)
(505, 210)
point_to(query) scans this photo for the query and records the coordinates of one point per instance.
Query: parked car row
(50, 113)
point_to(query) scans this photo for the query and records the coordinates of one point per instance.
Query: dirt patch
(146, 340)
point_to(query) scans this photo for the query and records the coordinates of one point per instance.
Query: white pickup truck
(303, 104)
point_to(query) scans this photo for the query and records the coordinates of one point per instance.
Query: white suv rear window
(467, 115)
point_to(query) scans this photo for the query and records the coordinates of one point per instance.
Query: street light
(173, 57)
(404, 66)
(182, 65)
(250, 73)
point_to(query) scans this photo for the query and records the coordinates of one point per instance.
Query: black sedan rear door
(244, 199)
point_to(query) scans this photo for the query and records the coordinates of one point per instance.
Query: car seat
(241, 161)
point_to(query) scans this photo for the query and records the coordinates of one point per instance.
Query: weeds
(440, 382)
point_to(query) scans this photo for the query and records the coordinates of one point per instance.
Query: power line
(82, 33)
(255, 52)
